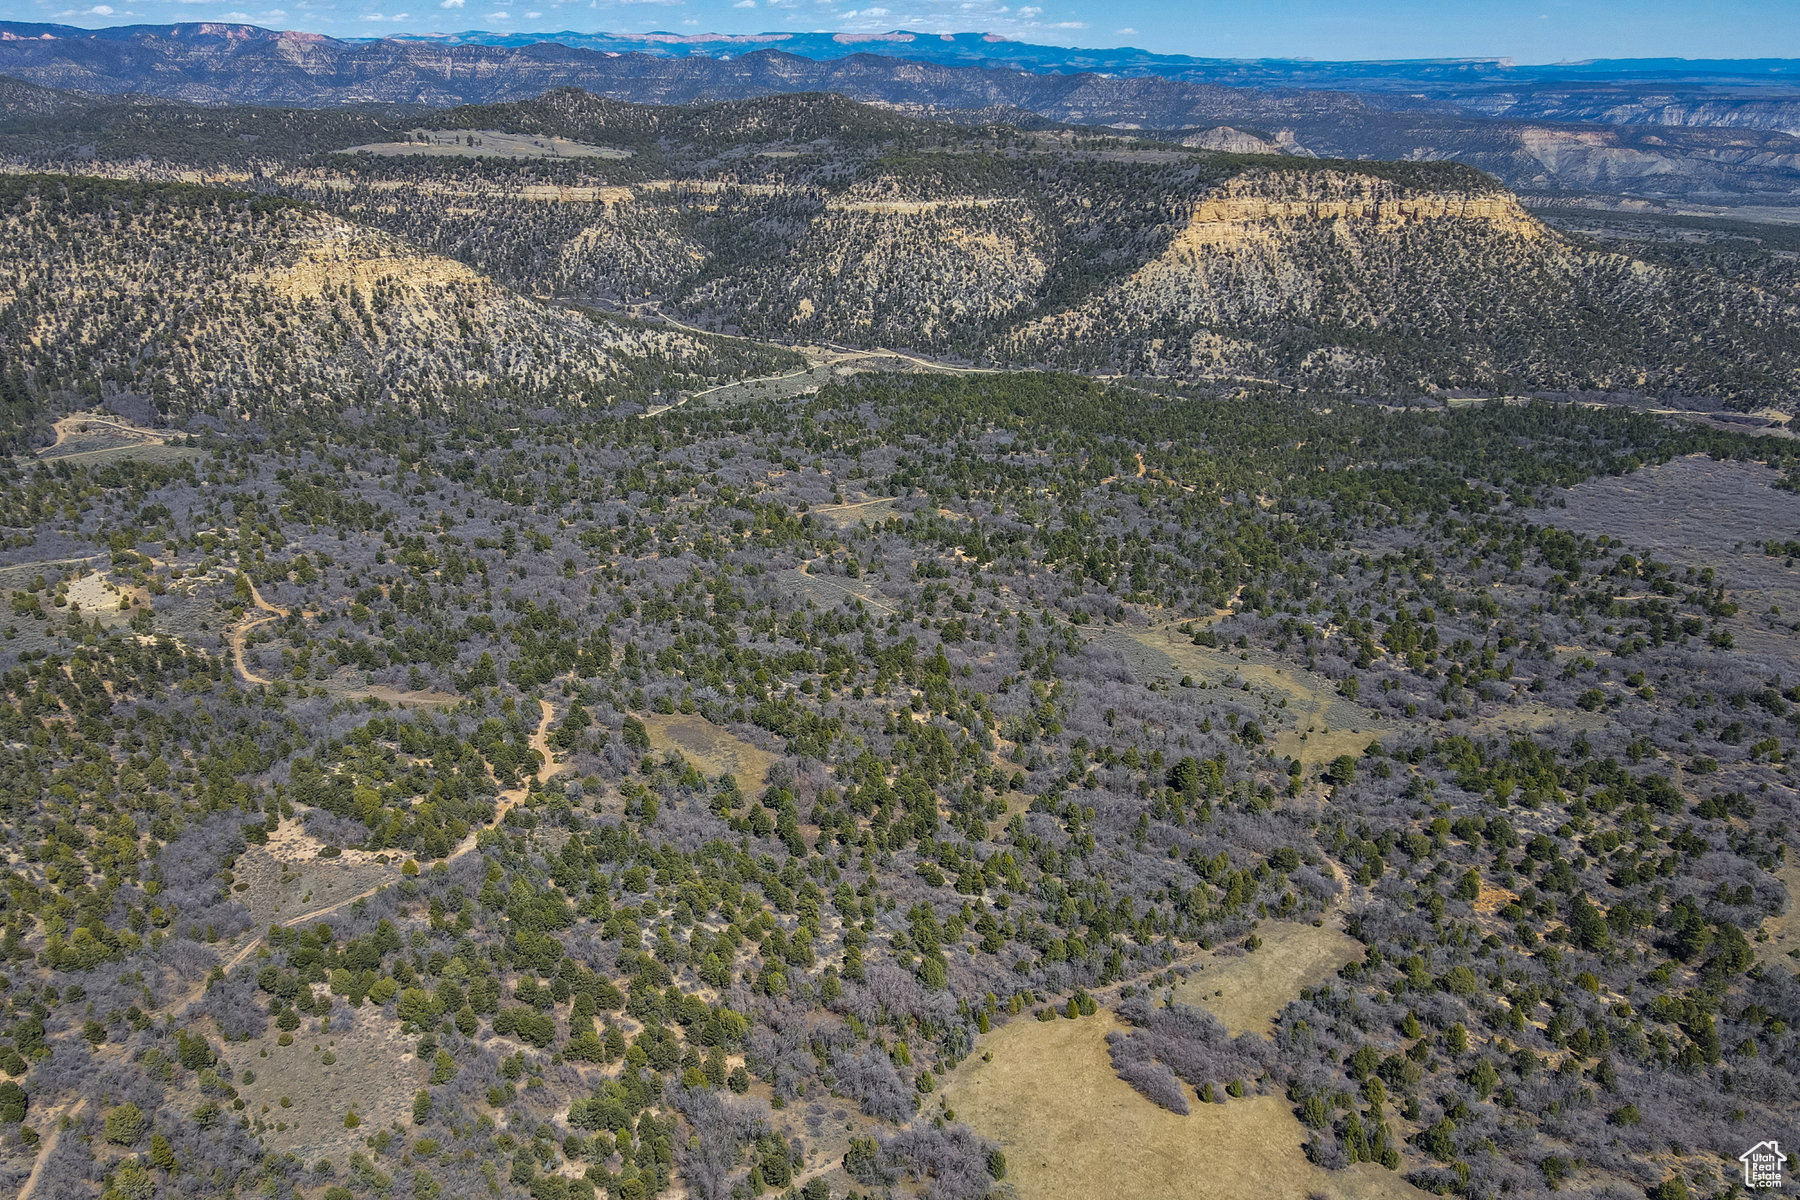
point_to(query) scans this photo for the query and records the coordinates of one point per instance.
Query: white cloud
(101, 10)
(383, 17)
(1127, 31)
(275, 12)
(235, 16)
(450, 3)
(745, 4)
(532, 16)
(499, 16)
(1030, 11)
(1069, 25)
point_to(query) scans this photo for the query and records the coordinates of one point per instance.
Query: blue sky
(1536, 31)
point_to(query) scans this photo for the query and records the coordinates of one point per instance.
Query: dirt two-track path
(48, 1148)
(507, 800)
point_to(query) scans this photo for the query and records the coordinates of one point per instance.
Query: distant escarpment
(1348, 279)
(207, 301)
(811, 219)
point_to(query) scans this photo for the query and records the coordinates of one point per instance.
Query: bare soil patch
(99, 596)
(1492, 899)
(286, 878)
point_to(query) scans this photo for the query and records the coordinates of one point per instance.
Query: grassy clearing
(90, 455)
(842, 516)
(374, 1073)
(1071, 1129)
(1316, 725)
(1247, 991)
(287, 878)
(830, 591)
(1538, 718)
(828, 367)
(1783, 929)
(98, 597)
(711, 749)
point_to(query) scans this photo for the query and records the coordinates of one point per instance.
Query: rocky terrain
(194, 300)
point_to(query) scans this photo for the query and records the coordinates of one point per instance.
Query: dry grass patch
(1784, 929)
(1073, 1130)
(711, 749)
(1247, 991)
(374, 1073)
(1319, 723)
(1491, 899)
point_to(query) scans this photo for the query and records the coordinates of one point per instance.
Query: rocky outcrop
(203, 301)
(1352, 280)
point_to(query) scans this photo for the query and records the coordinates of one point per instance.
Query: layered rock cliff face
(1265, 205)
(1344, 279)
(811, 219)
(203, 301)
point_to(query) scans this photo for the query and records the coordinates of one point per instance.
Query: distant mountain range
(992, 50)
(1721, 132)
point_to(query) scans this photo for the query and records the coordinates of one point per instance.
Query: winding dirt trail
(69, 426)
(511, 798)
(1138, 474)
(242, 631)
(48, 1148)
